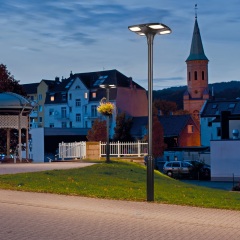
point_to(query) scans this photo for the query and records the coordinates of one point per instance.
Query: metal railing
(72, 150)
(120, 149)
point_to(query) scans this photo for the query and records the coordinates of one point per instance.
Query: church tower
(197, 75)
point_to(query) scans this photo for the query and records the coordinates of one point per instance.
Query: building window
(52, 98)
(94, 95)
(70, 109)
(94, 110)
(78, 102)
(40, 108)
(86, 124)
(40, 97)
(64, 124)
(63, 112)
(190, 128)
(70, 124)
(86, 95)
(40, 119)
(195, 75)
(219, 131)
(78, 117)
(51, 125)
(70, 96)
(77, 87)
(189, 76)
(202, 75)
(51, 112)
(64, 97)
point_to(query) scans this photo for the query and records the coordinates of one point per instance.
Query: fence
(120, 149)
(72, 150)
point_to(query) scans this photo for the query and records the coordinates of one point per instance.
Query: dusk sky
(42, 39)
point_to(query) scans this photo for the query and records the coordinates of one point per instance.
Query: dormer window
(231, 105)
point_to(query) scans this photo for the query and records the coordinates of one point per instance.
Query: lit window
(85, 95)
(52, 98)
(190, 128)
(94, 94)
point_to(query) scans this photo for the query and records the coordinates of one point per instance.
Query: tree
(158, 144)
(123, 127)
(8, 83)
(166, 107)
(181, 112)
(98, 131)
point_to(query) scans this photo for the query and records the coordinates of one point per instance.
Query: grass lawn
(119, 180)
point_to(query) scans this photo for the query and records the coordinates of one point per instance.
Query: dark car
(201, 170)
(178, 169)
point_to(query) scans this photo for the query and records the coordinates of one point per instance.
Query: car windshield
(185, 164)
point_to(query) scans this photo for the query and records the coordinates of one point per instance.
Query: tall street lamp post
(150, 30)
(107, 87)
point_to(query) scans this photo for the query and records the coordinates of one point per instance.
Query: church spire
(197, 51)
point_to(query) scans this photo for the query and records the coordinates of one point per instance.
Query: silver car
(178, 169)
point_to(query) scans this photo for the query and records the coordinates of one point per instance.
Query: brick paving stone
(41, 216)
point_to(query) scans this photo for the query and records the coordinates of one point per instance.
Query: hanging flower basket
(105, 108)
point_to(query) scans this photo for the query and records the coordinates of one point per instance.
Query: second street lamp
(107, 87)
(150, 30)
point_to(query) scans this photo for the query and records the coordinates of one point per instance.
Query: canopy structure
(14, 114)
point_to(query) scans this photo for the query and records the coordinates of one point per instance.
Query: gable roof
(92, 80)
(30, 88)
(213, 108)
(172, 124)
(197, 51)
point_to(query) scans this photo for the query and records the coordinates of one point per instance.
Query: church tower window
(202, 75)
(195, 75)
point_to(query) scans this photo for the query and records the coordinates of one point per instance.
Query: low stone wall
(93, 150)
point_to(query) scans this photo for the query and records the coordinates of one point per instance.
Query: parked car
(178, 169)
(158, 163)
(201, 170)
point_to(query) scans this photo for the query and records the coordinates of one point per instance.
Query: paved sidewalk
(37, 167)
(39, 216)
